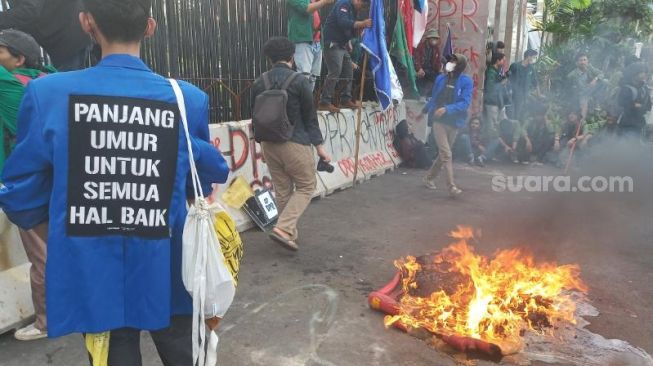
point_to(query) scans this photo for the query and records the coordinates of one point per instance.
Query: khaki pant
(445, 136)
(36, 250)
(293, 170)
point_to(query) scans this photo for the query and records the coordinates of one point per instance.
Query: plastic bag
(229, 237)
(204, 271)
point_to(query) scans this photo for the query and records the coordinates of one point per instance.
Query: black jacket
(631, 93)
(300, 107)
(53, 23)
(339, 25)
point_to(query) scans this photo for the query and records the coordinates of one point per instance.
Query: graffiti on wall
(468, 22)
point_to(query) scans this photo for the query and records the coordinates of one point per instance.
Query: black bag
(270, 118)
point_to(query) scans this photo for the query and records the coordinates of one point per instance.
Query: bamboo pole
(359, 121)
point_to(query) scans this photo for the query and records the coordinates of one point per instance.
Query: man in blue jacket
(104, 165)
(339, 29)
(450, 100)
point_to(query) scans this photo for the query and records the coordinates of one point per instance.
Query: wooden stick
(573, 146)
(359, 123)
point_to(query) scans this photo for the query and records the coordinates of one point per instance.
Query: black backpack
(270, 118)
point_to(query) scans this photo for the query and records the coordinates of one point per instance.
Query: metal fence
(217, 45)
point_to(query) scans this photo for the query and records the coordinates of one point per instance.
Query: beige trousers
(36, 250)
(445, 136)
(293, 170)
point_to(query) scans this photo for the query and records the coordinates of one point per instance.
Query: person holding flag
(339, 29)
(451, 98)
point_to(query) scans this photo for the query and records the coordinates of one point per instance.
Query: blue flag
(447, 52)
(374, 43)
(419, 5)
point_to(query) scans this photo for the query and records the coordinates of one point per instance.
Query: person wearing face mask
(523, 82)
(428, 61)
(450, 100)
(635, 100)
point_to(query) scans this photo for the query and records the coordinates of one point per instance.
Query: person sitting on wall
(428, 63)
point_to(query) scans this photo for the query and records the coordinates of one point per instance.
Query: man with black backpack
(285, 122)
(634, 99)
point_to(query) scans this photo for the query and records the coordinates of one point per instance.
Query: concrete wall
(236, 142)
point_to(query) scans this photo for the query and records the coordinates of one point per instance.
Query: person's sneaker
(327, 107)
(455, 192)
(471, 160)
(349, 104)
(428, 183)
(480, 161)
(30, 333)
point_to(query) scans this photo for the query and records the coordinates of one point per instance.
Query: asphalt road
(309, 308)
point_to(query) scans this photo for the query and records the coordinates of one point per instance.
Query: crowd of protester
(520, 124)
(517, 126)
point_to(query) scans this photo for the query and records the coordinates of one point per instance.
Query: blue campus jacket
(463, 98)
(339, 25)
(102, 156)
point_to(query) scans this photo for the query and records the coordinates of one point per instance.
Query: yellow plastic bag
(230, 241)
(97, 345)
(238, 192)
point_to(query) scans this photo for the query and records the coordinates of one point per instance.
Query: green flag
(399, 49)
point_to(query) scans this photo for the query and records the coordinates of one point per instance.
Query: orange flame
(494, 300)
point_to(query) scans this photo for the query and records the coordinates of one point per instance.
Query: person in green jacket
(19, 63)
(493, 96)
(304, 31)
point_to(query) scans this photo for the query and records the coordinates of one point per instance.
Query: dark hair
(530, 53)
(500, 44)
(279, 49)
(120, 20)
(497, 56)
(580, 54)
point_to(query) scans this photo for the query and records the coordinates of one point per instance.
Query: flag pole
(359, 121)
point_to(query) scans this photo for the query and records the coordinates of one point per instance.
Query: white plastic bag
(204, 272)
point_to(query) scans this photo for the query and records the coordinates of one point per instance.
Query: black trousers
(173, 344)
